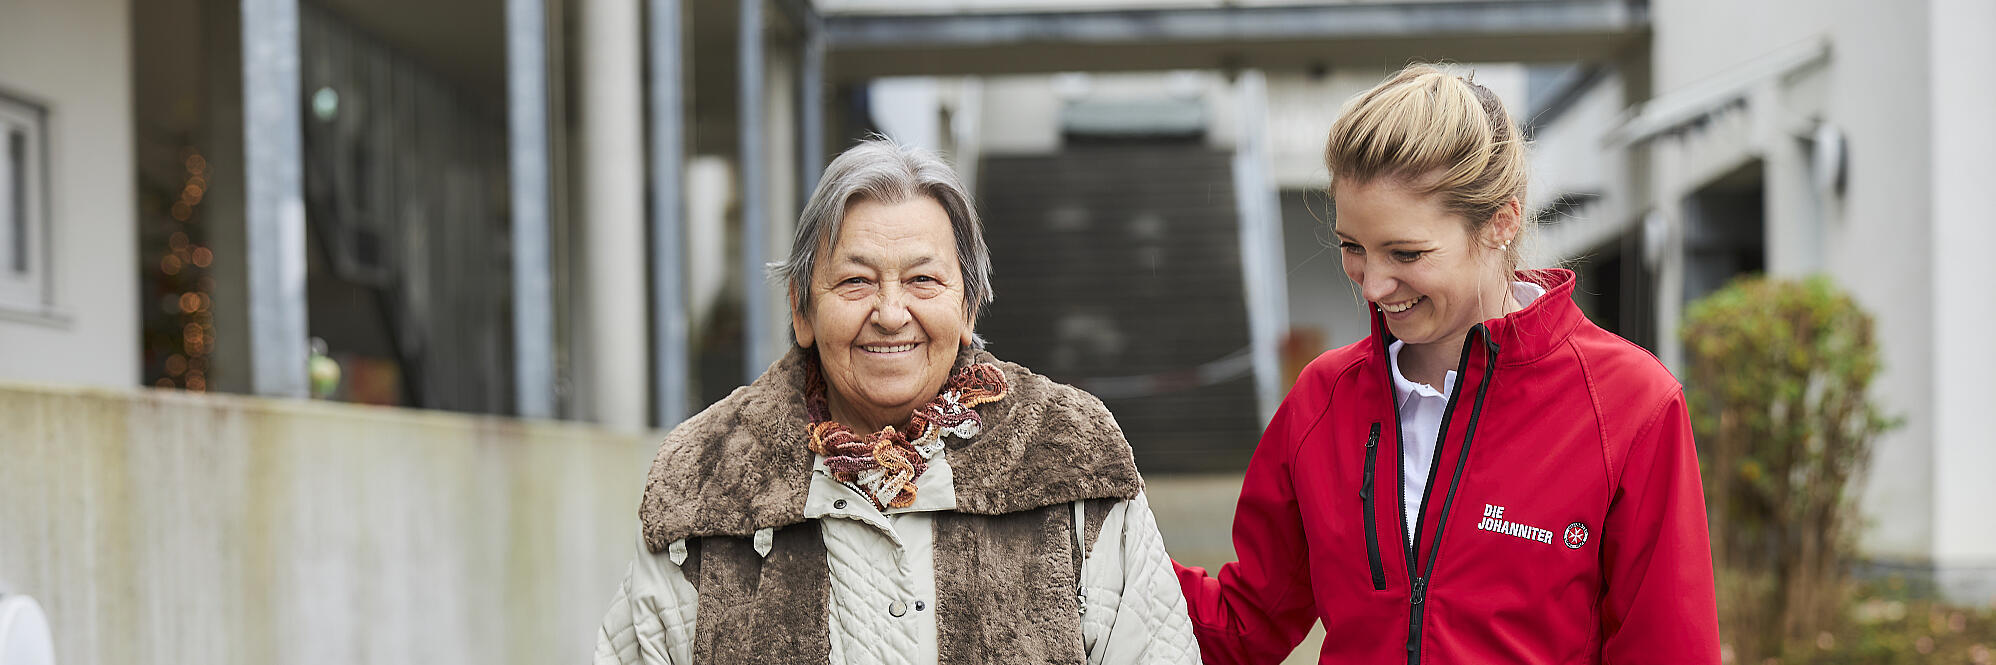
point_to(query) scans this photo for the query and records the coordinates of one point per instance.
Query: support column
(668, 215)
(527, 140)
(613, 211)
(273, 149)
(750, 117)
(1262, 272)
(810, 107)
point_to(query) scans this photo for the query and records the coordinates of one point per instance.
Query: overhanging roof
(868, 45)
(1678, 108)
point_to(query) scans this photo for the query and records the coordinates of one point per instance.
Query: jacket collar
(1523, 336)
(742, 465)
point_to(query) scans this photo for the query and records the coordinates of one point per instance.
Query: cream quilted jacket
(883, 586)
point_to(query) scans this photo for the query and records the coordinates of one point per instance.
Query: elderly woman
(888, 492)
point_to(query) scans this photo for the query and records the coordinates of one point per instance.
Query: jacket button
(839, 504)
(897, 609)
(919, 606)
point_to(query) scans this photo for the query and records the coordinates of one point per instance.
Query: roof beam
(871, 45)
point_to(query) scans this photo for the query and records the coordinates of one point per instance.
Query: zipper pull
(1371, 442)
(1420, 590)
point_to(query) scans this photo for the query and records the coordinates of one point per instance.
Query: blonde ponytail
(1439, 133)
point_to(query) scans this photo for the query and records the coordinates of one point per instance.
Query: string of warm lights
(185, 267)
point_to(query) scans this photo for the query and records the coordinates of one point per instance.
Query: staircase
(1118, 269)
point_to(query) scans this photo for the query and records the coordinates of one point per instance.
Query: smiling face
(886, 311)
(1419, 262)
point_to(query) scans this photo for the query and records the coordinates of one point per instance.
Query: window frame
(27, 288)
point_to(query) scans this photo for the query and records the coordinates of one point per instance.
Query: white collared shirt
(1421, 407)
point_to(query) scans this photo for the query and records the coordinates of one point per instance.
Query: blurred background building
(539, 226)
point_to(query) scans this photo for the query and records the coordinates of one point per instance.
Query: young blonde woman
(1488, 477)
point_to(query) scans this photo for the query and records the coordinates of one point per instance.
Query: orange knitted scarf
(883, 466)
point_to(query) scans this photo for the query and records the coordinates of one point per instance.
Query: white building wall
(1876, 240)
(908, 110)
(1964, 141)
(1301, 109)
(74, 59)
(1021, 114)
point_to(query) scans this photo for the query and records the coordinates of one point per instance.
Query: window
(24, 226)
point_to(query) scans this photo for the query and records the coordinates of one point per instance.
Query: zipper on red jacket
(1365, 495)
(1418, 594)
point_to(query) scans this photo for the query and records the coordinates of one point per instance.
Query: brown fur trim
(742, 464)
(1005, 588)
(1045, 443)
(738, 466)
(763, 610)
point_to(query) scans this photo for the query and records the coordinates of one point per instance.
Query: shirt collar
(1524, 292)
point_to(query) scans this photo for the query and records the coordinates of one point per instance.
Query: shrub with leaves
(1778, 388)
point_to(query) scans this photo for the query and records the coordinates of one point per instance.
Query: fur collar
(741, 465)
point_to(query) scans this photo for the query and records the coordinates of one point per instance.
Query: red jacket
(1572, 530)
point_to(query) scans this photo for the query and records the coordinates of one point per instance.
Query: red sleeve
(1260, 607)
(1658, 605)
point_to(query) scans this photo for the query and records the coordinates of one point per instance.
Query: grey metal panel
(755, 191)
(526, 105)
(668, 214)
(273, 178)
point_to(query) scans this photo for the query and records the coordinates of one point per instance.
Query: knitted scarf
(883, 466)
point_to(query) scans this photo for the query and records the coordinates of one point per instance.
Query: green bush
(1779, 372)
(1885, 624)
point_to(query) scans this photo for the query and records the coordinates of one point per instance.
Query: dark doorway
(1725, 231)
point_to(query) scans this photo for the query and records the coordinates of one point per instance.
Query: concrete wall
(164, 527)
(74, 59)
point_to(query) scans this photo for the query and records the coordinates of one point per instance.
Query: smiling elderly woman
(888, 492)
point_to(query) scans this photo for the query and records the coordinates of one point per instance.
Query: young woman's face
(1419, 262)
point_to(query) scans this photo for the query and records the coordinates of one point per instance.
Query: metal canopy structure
(869, 45)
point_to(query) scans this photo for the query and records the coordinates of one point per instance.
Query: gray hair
(882, 170)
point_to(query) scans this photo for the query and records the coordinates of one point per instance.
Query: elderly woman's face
(887, 310)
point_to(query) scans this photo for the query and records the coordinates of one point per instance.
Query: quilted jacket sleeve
(1135, 611)
(651, 620)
